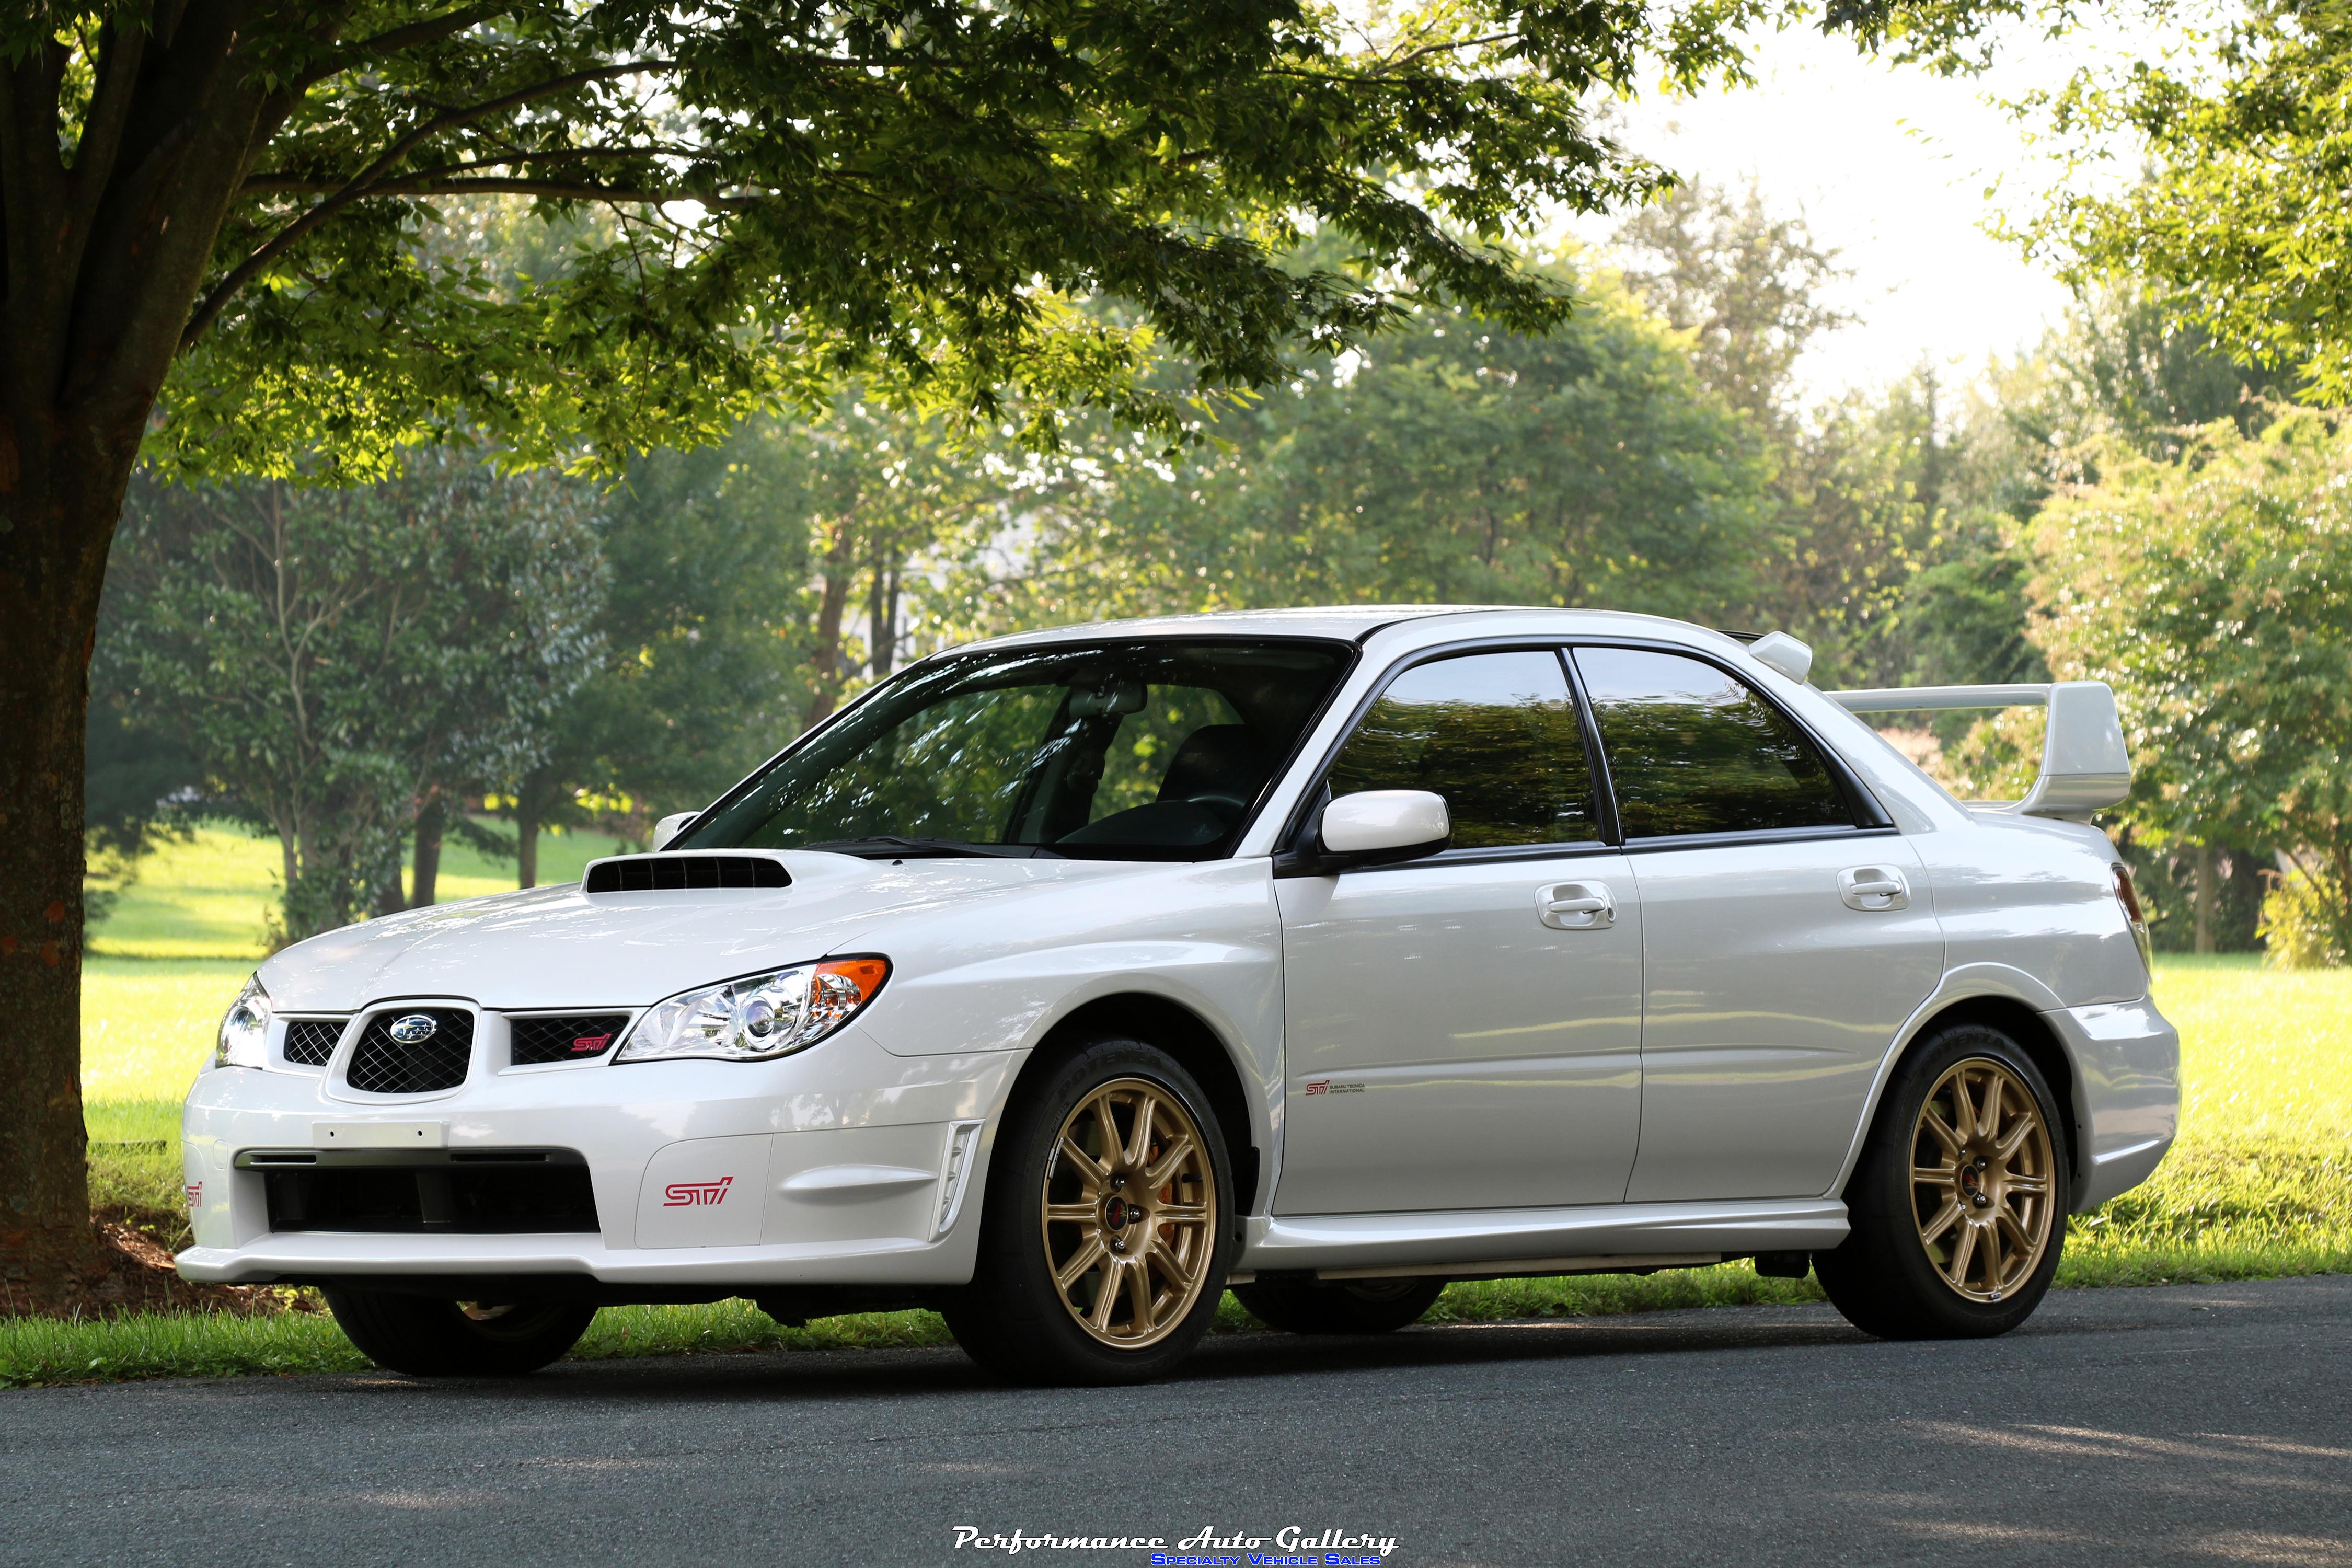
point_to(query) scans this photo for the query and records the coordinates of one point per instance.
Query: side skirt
(1602, 1238)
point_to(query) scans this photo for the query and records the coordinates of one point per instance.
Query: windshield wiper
(883, 845)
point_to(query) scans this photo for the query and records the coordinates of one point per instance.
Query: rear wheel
(1107, 1234)
(1339, 1306)
(430, 1338)
(1958, 1206)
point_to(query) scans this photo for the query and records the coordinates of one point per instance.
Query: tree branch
(362, 183)
(432, 29)
(425, 185)
(298, 184)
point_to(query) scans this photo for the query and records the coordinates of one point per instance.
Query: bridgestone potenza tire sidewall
(1880, 1278)
(425, 1337)
(1339, 1307)
(1011, 1319)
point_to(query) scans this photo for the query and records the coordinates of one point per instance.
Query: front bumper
(843, 1164)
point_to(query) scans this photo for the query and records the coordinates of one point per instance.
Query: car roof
(1351, 623)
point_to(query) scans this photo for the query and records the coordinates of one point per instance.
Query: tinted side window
(1692, 749)
(1495, 733)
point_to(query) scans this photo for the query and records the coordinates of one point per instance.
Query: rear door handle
(1576, 906)
(1872, 888)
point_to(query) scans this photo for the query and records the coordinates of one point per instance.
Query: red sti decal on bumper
(195, 1195)
(696, 1195)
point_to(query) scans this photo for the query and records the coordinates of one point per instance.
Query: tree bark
(2206, 894)
(60, 492)
(431, 823)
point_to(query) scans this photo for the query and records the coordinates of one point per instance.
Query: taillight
(2128, 897)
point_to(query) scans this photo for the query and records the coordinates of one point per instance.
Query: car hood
(559, 947)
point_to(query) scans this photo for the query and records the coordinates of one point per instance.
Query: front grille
(683, 873)
(478, 1192)
(571, 1038)
(311, 1042)
(382, 1064)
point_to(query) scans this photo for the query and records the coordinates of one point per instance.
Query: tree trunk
(60, 498)
(431, 823)
(2206, 894)
(527, 834)
(838, 570)
(882, 616)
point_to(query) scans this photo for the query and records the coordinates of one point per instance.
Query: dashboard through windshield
(1138, 749)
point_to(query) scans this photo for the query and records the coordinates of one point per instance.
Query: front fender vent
(683, 873)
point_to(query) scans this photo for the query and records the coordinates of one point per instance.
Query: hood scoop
(684, 872)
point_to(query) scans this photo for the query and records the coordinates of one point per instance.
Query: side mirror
(668, 827)
(1380, 827)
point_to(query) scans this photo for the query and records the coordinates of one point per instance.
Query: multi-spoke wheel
(431, 1338)
(1107, 1232)
(1130, 1209)
(1981, 1179)
(1958, 1205)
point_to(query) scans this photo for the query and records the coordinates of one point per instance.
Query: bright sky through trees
(1890, 164)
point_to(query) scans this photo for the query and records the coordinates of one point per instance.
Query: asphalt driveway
(2196, 1424)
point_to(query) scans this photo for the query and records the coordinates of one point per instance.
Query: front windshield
(1143, 750)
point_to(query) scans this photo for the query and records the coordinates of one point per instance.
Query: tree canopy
(339, 661)
(2214, 592)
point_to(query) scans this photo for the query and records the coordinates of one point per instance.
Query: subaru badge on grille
(414, 1029)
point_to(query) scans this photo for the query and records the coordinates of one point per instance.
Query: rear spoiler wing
(2086, 766)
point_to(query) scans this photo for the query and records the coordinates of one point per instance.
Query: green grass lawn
(207, 897)
(2260, 1184)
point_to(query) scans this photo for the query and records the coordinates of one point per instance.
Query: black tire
(1013, 1319)
(1339, 1306)
(425, 1337)
(1887, 1277)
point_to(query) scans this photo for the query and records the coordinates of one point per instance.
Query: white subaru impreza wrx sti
(1063, 980)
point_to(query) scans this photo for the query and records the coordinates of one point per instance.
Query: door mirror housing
(669, 826)
(1380, 826)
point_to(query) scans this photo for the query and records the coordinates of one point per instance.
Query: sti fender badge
(1320, 1086)
(696, 1195)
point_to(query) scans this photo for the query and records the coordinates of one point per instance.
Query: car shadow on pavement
(833, 1376)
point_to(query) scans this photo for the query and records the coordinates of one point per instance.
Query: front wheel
(429, 1338)
(1339, 1307)
(1958, 1206)
(1106, 1238)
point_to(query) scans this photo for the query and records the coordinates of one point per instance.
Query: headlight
(757, 1016)
(245, 1033)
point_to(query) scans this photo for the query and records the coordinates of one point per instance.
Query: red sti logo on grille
(584, 1045)
(696, 1195)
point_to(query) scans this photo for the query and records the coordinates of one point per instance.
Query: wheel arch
(2012, 1009)
(1184, 1034)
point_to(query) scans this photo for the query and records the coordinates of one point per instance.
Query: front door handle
(1576, 906)
(1871, 888)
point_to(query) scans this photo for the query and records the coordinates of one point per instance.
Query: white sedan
(1064, 980)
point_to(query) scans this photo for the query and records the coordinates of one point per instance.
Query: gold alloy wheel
(1982, 1175)
(1129, 1212)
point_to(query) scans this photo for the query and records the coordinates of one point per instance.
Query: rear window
(1694, 750)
